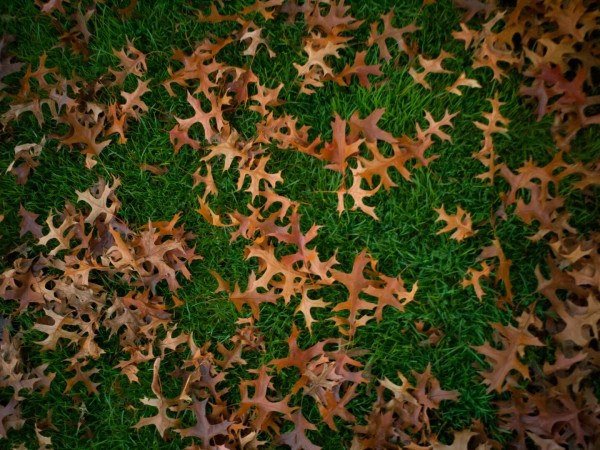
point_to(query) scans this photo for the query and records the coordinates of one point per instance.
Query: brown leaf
(153, 169)
(161, 420)
(368, 128)
(336, 406)
(28, 223)
(43, 441)
(265, 409)
(339, 150)
(29, 154)
(55, 331)
(131, 59)
(214, 16)
(461, 81)
(134, 105)
(85, 135)
(266, 97)
(7, 66)
(257, 172)
(460, 222)
(389, 32)
(296, 439)
(204, 429)
(203, 118)
(429, 66)
(306, 305)
(254, 36)
(358, 195)
(99, 197)
(83, 377)
(252, 297)
(298, 357)
(392, 294)
(503, 272)
(361, 69)
(356, 283)
(460, 442)
(476, 276)
(506, 359)
(51, 5)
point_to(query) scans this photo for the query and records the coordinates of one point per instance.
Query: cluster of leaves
(88, 108)
(96, 276)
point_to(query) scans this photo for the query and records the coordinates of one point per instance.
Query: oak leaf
(266, 97)
(99, 197)
(460, 222)
(356, 283)
(257, 172)
(296, 439)
(28, 153)
(160, 255)
(506, 359)
(204, 429)
(306, 305)
(429, 66)
(361, 69)
(392, 293)
(460, 442)
(390, 32)
(298, 357)
(28, 223)
(203, 118)
(23, 284)
(262, 7)
(83, 377)
(10, 417)
(429, 393)
(14, 373)
(214, 16)
(153, 169)
(85, 135)
(435, 127)
(580, 321)
(134, 105)
(339, 150)
(209, 183)
(503, 271)
(358, 195)
(379, 165)
(265, 409)
(131, 60)
(496, 124)
(209, 215)
(474, 7)
(335, 406)
(335, 21)
(254, 36)
(231, 147)
(461, 81)
(252, 297)
(476, 276)
(368, 128)
(274, 272)
(161, 420)
(56, 331)
(7, 66)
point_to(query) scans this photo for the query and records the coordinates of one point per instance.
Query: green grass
(403, 241)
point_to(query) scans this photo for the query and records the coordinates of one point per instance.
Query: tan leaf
(462, 80)
(460, 222)
(161, 420)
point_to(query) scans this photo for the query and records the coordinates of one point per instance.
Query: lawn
(319, 225)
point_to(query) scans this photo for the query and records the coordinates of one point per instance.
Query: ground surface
(432, 322)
